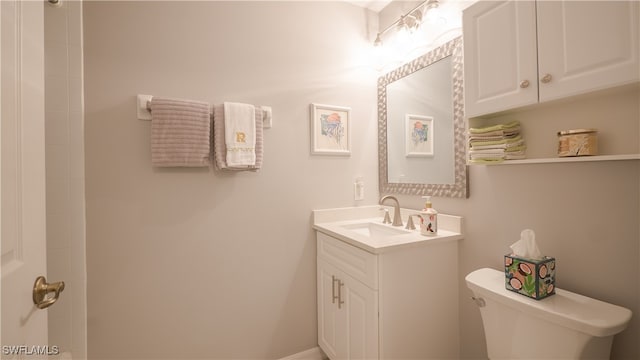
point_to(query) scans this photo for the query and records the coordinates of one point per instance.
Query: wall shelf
(567, 159)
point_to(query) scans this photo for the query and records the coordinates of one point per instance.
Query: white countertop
(335, 223)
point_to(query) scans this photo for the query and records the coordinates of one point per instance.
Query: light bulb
(378, 41)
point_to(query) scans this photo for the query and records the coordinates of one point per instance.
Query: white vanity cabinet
(347, 307)
(399, 303)
(518, 53)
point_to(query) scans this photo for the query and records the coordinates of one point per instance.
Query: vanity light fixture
(402, 23)
(378, 41)
(410, 21)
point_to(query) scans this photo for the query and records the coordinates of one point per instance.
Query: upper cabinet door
(586, 45)
(500, 62)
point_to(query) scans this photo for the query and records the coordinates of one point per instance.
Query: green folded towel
(486, 161)
(516, 148)
(506, 126)
(496, 142)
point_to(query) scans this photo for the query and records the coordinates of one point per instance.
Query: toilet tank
(563, 326)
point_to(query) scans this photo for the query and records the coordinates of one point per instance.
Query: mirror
(421, 136)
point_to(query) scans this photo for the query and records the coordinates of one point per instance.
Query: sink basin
(375, 230)
(362, 227)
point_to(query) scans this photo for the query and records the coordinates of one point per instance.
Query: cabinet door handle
(546, 79)
(333, 290)
(524, 84)
(340, 301)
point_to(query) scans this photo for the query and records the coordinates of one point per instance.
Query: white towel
(220, 148)
(240, 134)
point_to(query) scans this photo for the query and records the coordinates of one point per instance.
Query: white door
(586, 45)
(500, 62)
(23, 243)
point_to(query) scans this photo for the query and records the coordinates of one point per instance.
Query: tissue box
(533, 278)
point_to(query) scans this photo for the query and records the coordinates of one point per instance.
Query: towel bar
(148, 107)
(144, 111)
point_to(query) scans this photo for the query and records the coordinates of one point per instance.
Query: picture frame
(330, 130)
(419, 135)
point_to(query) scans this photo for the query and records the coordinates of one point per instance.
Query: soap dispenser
(428, 219)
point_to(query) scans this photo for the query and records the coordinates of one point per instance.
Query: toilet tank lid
(565, 308)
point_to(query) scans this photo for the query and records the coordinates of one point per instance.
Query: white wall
(64, 140)
(196, 263)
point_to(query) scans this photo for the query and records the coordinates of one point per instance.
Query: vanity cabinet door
(347, 315)
(331, 327)
(586, 45)
(500, 65)
(361, 314)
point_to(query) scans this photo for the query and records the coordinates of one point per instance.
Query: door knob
(546, 79)
(524, 84)
(40, 290)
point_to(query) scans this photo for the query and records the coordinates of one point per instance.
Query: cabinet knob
(546, 79)
(524, 84)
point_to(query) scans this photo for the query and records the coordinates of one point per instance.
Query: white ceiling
(375, 5)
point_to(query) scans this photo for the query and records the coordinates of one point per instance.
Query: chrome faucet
(397, 219)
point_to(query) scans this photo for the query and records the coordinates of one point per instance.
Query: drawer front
(359, 264)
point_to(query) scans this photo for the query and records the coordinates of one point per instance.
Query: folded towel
(509, 126)
(517, 155)
(220, 148)
(240, 134)
(513, 144)
(486, 147)
(487, 151)
(487, 156)
(486, 134)
(180, 132)
(486, 138)
(496, 142)
(511, 132)
(487, 161)
(512, 149)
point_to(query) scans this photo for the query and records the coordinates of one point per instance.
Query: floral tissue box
(533, 278)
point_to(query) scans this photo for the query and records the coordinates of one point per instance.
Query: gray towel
(220, 147)
(180, 133)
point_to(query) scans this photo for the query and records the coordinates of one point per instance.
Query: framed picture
(330, 130)
(418, 135)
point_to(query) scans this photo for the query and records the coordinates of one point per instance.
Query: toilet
(563, 326)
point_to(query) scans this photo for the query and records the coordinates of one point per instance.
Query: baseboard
(311, 354)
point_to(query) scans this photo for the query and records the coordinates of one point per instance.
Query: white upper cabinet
(586, 45)
(518, 53)
(500, 66)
